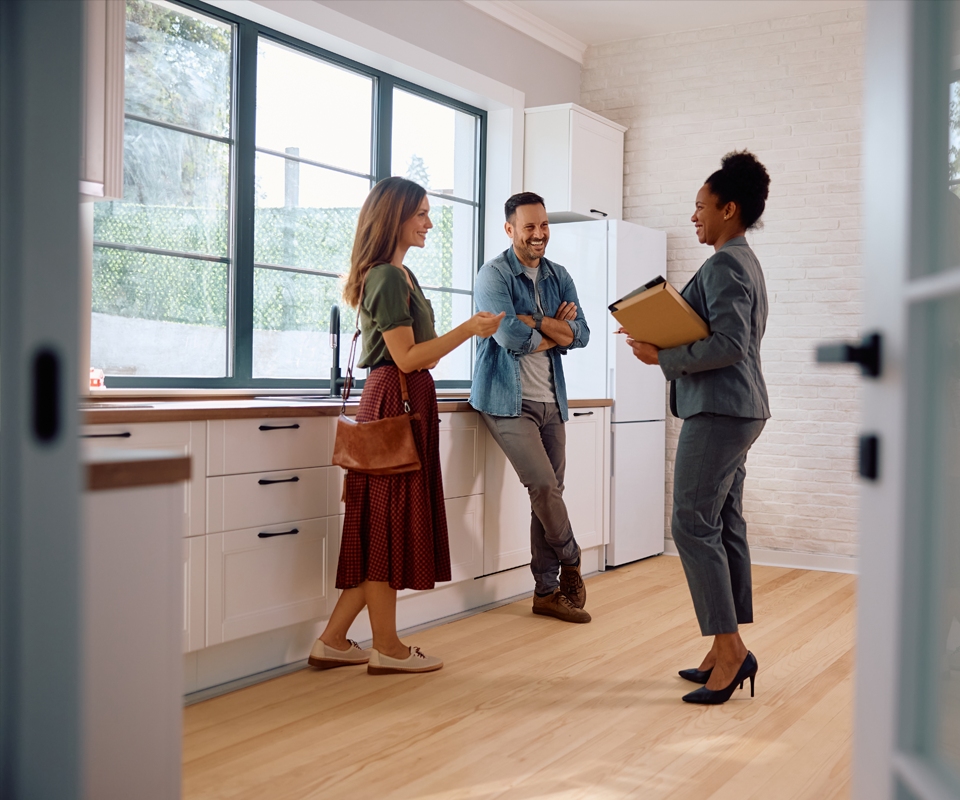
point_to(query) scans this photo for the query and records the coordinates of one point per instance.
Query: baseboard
(763, 556)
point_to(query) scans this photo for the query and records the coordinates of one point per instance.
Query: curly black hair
(743, 180)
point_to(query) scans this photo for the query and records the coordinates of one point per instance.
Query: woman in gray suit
(718, 390)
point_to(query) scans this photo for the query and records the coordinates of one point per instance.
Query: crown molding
(534, 27)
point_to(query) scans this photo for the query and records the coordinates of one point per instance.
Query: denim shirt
(502, 285)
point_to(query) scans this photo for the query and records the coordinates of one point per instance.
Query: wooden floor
(531, 707)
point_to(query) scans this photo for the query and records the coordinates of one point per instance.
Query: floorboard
(530, 707)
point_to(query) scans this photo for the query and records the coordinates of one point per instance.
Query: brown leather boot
(557, 605)
(572, 585)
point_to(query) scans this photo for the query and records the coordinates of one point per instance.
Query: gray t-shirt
(536, 369)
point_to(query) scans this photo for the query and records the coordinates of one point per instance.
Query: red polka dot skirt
(395, 528)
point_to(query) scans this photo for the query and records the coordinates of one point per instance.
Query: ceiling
(592, 22)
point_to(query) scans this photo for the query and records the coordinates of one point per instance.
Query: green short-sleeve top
(385, 307)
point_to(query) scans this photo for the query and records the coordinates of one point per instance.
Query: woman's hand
(646, 352)
(484, 324)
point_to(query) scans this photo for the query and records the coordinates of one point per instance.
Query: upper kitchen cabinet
(573, 158)
(101, 154)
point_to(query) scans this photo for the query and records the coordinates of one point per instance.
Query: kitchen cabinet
(268, 576)
(573, 158)
(506, 541)
(186, 438)
(255, 594)
(584, 479)
(132, 620)
(101, 148)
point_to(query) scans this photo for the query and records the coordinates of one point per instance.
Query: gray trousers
(535, 443)
(708, 525)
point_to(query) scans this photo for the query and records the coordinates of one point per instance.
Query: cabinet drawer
(256, 445)
(255, 584)
(265, 498)
(188, 438)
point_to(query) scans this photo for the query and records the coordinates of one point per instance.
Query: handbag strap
(348, 382)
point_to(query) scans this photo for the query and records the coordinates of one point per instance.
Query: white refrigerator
(608, 259)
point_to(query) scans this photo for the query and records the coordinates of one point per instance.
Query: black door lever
(867, 354)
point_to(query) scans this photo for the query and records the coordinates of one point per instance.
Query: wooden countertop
(109, 468)
(170, 409)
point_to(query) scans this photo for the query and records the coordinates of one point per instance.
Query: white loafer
(416, 662)
(323, 656)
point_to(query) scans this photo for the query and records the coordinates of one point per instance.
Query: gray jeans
(535, 443)
(708, 526)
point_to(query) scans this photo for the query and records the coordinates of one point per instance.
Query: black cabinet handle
(265, 535)
(267, 482)
(583, 413)
(279, 427)
(598, 211)
(867, 354)
(124, 435)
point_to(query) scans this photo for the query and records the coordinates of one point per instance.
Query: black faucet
(336, 381)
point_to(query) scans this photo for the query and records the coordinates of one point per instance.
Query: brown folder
(656, 313)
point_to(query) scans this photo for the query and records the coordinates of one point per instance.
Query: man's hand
(566, 311)
(646, 352)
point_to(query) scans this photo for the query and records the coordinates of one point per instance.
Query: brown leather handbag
(382, 447)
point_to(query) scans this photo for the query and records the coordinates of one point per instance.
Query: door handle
(46, 396)
(867, 354)
(124, 435)
(279, 427)
(583, 413)
(267, 481)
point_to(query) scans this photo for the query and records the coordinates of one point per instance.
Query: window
(247, 157)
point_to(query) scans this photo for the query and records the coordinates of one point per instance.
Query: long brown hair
(390, 203)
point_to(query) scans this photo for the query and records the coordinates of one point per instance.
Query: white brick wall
(790, 91)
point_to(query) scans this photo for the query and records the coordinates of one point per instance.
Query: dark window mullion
(383, 128)
(246, 129)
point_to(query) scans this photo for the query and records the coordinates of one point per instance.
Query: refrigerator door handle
(613, 445)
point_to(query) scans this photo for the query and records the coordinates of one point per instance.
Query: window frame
(242, 201)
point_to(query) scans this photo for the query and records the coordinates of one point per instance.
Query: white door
(907, 734)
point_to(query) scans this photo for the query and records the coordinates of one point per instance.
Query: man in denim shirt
(519, 390)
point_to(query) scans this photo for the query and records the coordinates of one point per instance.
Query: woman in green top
(395, 528)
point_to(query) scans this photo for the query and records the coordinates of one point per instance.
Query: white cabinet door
(461, 453)
(267, 577)
(573, 158)
(596, 167)
(194, 593)
(188, 438)
(264, 498)
(259, 445)
(506, 534)
(465, 526)
(506, 512)
(583, 480)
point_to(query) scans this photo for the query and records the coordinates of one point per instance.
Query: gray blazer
(721, 374)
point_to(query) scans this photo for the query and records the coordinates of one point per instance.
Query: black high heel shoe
(709, 697)
(696, 675)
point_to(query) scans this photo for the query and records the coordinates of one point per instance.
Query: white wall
(790, 91)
